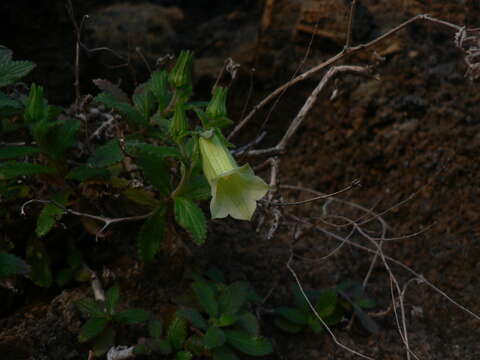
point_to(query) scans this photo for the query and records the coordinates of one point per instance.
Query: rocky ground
(412, 138)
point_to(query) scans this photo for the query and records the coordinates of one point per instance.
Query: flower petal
(236, 192)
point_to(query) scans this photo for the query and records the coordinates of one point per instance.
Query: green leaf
(127, 111)
(194, 317)
(51, 213)
(249, 323)
(11, 152)
(293, 315)
(159, 87)
(12, 71)
(155, 328)
(91, 307)
(151, 235)
(224, 353)
(111, 89)
(191, 218)
(13, 169)
(233, 297)
(315, 324)
(136, 148)
(104, 341)
(145, 104)
(197, 189)
(85, 172)
(132, 316)
(142, 197)
(9, 106)
(184, 355)
(156, 172)
(299, 299)
(327, 303)
(106, 155)
(177, 332)
(36, 107)
(142, 349)
(63, 277)
(11, 265)
(288, 326)
(112, 298)
(214, 337)
(58, 137)
(226, 320)
(37, 257)
(92, 328)
(206, 297)
(248, 344)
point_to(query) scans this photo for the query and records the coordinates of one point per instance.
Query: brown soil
(415, 131)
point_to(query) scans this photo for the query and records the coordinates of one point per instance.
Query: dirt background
(414, 131)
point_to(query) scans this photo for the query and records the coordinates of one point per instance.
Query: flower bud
(217, 108)
(181, 74)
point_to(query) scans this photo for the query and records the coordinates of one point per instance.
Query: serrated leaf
(191, 218)
(142, 197)
(91, 307)
(293, 315)
(233, 297)
(249, 323)
(11, 152)
(177, 332)
(159, 86)
(11, 265)
(106, 155)
(104, 341)
(112, 298)
(248, 344)
(288, 326)
(85, 172)
(151, 235)
(13, 169)
(206, 297)
(112, 89)
(197, 189)
(92, 328)
(63, 277)
(51, 213)
(156, 172)
(214, 337)
(39, 260)
(194, 317)
(184, 355)
(132, 316)
(155, 328)
(9, 106)
(145, 104)
(224, 353)
(12, 71)
(327, 303)
(127, 111)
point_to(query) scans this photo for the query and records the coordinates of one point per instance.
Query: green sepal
(181, 74)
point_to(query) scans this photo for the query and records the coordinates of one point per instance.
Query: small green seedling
(104, 316)
(332, 305)
(219, 318)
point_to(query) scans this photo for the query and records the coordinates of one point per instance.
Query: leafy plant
(332, 305)
(223, 325)
(104, 317)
